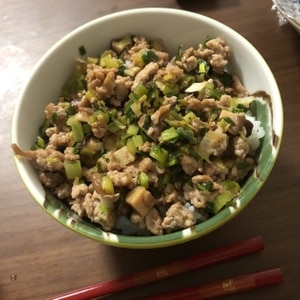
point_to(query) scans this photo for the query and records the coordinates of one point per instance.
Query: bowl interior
(57, 64)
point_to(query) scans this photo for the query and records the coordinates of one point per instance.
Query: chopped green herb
(179, 53)
(82, 50)
(149, 56)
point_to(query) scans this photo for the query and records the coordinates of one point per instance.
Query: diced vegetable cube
(141, 200)
(123, 156)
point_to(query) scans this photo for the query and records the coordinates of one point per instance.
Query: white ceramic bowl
(175, 27)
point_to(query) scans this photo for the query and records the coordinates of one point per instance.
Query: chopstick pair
(221, 254)
(224, 287)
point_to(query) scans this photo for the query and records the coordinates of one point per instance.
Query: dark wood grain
(39, 258)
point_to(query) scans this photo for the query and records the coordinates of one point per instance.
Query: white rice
(258, 132)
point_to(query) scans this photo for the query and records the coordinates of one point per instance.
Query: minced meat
(146, 138)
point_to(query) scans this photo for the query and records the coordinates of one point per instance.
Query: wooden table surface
(39, 258)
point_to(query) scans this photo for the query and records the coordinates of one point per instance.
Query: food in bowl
(141, 142)
(56, 65)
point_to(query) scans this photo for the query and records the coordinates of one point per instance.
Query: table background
(40, 258)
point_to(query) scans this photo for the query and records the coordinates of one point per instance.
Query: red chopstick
(201, 260)
(224, 287)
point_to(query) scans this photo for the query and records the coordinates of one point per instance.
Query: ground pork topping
(100, 80)
(153, 222)
(121, 90)
(217, 52)
(145, 74)
(160, 114)
(238, 88)
(99, 126)
(143, 143)
(178, 216)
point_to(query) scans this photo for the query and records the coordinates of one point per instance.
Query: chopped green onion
(209, 208)
(228, 117)
(133, 129)
(130, 146)
(46, 124)
(104, 114)
(241, 104)
(152, 90)
(203, 66)
(136, 108)
(39, 144)
(143, 180)
(189, 117)
(107, 60)
(169, 135)
(144, 122)
(228, 120)
(132, 71)
(133, 143)
(86, 152)
(231, 189)
(107, 185)
(82, 50)
(187, 81)
(120, 45)
(187, 134)
(211, 91)
(112, 127)
(127, 108)
(208, 38)
(77, 131)
(159, 154)
(149, 56)
(173, 159)
(240, 109)
(77, 148)
(225, 78)
(140, 90)
(120, 122)
(205, 186)
(224, 124)
(179, 53)
(170, 89)
(138, 140)
(86, 128)
(54, 117)
(72, 168)
(163, 180)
